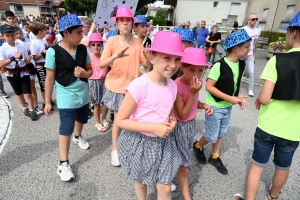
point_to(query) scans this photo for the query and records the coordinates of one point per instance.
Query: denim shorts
(217, 124)
(283, 150)
(69, 116)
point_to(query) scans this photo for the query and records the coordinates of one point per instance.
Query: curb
(6, 131)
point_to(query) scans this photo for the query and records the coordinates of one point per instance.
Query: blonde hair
(85, 20)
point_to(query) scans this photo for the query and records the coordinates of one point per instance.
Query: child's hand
(162, 129)
(28, 60)
(209, 111)
(121, 54)
(257, 104)
(243, 103)
(78, 72)
(18, 55)
(47, 109)
(195, 85)
(45, 51)
(173, 122)
(235, 100)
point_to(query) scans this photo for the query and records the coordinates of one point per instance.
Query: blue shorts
(69, 116)
(283, 150)
(217, 124)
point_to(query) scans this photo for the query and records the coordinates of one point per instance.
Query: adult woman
(212, 39)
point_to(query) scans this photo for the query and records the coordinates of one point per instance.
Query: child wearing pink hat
(193, 66)
(146, 147)
(96, 82)
(124, 54)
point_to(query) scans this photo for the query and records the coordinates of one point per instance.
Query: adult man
(201, 33)
(253, 32)
(195, 28)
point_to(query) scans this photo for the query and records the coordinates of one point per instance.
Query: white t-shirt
(36, 47)
(7, 51)
(89, 50)
(30, 18)
(58, 37)
(31, 36)
(253, 33)
(26, 34)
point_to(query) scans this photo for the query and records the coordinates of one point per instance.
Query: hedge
(273, 36)
(160, 22)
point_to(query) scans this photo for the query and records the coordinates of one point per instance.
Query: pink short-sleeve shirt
(154, 102)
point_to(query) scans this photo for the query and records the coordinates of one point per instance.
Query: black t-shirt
(213, 37)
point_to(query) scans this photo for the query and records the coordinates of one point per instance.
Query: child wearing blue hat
(223, 87)
(278, 122)
(69, 72)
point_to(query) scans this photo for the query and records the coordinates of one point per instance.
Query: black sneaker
(199, 154)
(217, 163)
(52, 103)
(26, 112)
(51, 107)
(112, 117)
(33, 116)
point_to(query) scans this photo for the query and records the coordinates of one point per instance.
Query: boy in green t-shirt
(278, 125)
(223, 85)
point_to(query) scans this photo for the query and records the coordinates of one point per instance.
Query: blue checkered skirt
(184, 134)
(112, 100)
(148, 160)
(97, 89)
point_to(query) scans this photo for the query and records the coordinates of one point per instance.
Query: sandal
(100, 128)
(105, 124)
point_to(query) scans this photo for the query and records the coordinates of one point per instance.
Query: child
(69, 66)
(278, 122)
(51, 34)
(96, 82)
(185, 109)
(10, 18)
(25, 31)
(147, 151)
(223, 87)
(13, 60)
(140, 26)
(38, 49)
(124, 67)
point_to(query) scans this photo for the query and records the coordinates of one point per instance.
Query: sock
(76, 137)
(60, 162)
(24, 108)
(215, 155)
(198, 146)
(30, 110)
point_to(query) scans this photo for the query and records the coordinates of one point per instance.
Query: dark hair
(52, 25)
(294, 28)
(25, 24)
(9, 14)
(229, 50)
(17, 29)
(70, 30)
(235, 24)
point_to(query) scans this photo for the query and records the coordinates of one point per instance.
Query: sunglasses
(96, 45)
(254, 19)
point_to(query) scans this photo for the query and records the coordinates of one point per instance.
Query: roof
(35, 2)
(4, 6)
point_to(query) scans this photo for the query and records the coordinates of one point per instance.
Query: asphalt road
(29, 159)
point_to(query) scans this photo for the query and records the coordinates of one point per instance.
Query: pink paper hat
(124, 12)
(96, 37)
(167, 42)
(194, 56)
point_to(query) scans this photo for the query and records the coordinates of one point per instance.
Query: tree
(142, 4)
(162, 14)
(80, 6)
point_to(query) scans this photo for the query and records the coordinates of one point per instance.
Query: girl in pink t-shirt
(185, 109)
(96, 82)
(147, 151)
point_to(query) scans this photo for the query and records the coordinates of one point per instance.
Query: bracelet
(43, 54)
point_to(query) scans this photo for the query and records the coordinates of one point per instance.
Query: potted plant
(277, 47)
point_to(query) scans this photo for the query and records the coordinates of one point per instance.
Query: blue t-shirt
(73, 96)
(201, 35)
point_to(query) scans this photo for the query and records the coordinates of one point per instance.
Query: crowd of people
(127, 71)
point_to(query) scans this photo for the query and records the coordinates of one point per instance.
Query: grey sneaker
(3, 94)
(26, 112)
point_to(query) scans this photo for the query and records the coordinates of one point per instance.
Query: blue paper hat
(294, 22)
(68, 21)
(238, 37)
(177, 29)
(112, 33)
(187, 35)
(140, 19)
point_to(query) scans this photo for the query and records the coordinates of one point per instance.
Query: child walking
(13, 60)
(223, 87)
(278, 122)
(68, 67)
(193, 66)
(124, 68)
(96, 82)
(147, 151)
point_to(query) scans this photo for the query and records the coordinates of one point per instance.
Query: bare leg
(279, 179)
(21, 100)
(253, 180)
(43, 95)
(183, 182)
(202, 142)
(97, 113)
(104, 112)
(64, 146)
(141, 191)
(163, 191)
(115, 133)
(29, 99)
(217, 145)
(78, 128)
(34, 94)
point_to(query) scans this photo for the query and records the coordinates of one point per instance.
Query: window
(262, 26)
(215, 4)
(234, 8)
(265, 14)
(18, 8)
(290, 12)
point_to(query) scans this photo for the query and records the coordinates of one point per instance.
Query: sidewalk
(4, 120)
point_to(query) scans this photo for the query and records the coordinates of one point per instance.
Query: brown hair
(36, 26)
(85, 20)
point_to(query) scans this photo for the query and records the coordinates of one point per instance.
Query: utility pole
(275, 15)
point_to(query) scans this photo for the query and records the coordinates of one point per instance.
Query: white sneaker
(38, 111)
(173, 187)
(250, 93)
(114, 159)
(82, 143)
(64, 171)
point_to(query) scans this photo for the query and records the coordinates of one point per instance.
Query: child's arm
(48, 90)
(4, 62)
(210, 87)
(81, 73)
(127, 107)
(106, 62)
(206, 107)
(265, 95)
